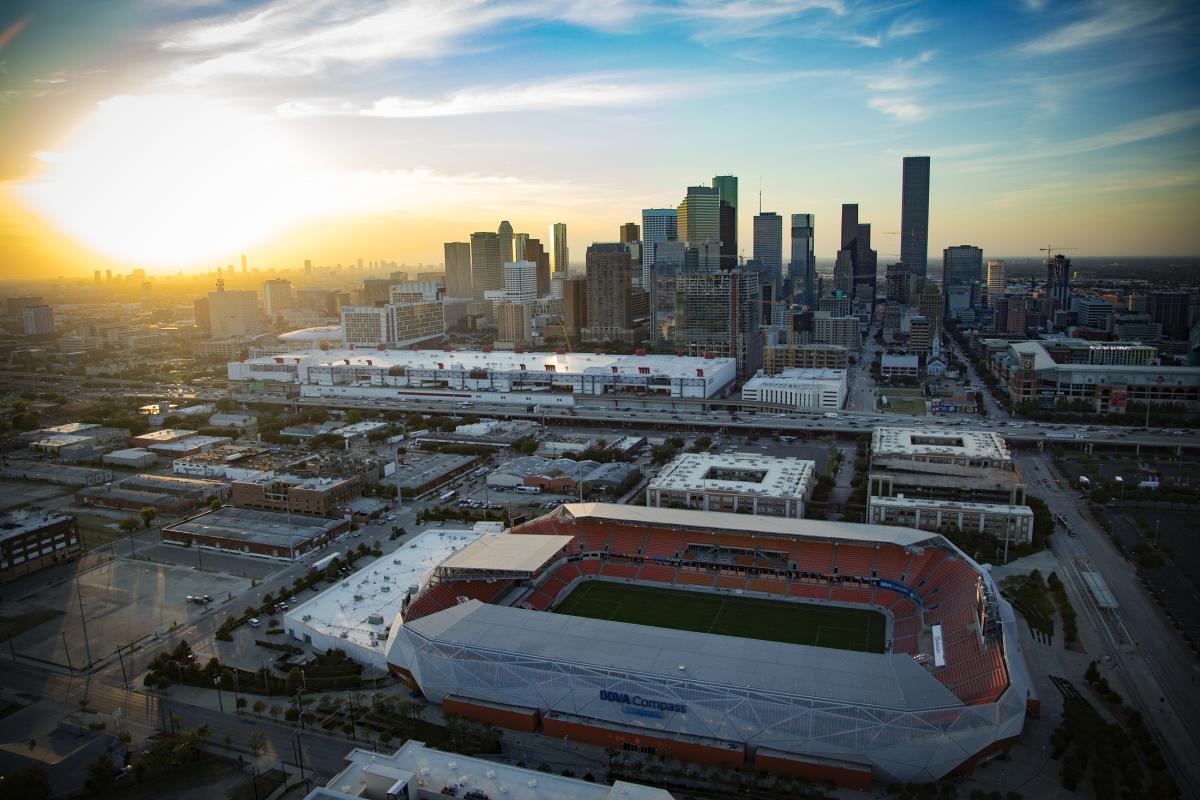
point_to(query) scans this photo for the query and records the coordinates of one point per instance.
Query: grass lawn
(771, 620)
(902, 401)
(94, 530)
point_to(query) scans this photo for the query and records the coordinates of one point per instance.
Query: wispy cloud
(1108, 20)
(573, 92)
(894, 91)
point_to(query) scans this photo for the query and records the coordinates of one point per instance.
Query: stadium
(829, 651)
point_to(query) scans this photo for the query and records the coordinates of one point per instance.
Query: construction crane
(1049, 251)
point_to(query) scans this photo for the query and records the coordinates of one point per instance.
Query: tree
(203, 732)
(294, 679)
(101, 774)
(214, 503)
(147, 513)
(257, 742)
(240, 703)
(27, 783)
(128, 525)
(275, 712)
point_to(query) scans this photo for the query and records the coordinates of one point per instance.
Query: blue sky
(385, 128)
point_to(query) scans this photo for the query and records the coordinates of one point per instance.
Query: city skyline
(182, 135)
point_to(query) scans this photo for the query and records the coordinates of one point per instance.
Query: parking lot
(123, 601)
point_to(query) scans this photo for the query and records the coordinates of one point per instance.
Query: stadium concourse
(828, 651)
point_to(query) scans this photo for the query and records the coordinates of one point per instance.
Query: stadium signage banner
(901, 589)
(639, 702)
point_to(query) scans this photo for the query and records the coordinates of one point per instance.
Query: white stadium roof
(506, 553)
(893, 681)
(746, 523)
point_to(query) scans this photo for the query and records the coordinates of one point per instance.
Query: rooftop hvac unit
(385, 588)
(344, 635)
(375, 619)
(306, 617)
(358, 597)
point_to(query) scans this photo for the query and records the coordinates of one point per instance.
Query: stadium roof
(378, 588)
(507, 553)
(893, 681)
(746, 523)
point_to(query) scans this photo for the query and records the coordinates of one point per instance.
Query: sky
(179, 134)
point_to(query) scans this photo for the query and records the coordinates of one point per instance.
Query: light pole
(220, 701)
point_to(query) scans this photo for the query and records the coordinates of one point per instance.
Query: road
(1159, 674)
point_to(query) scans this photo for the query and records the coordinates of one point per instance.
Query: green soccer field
(774, 621)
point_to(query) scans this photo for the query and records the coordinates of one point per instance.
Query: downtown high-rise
(558, 249)
(700, 224)
(487, 265)
(727, 192)
(658, 225)
(802, 269)
(458, 269)
(914, 216)
(768, 247)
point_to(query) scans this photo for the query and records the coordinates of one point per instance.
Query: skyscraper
(768, 247)
(700, 224)
(727, 188)
(558, 249)
(1058, 279)
(721, 313)
(487, 267)
(277, 296)
(505, 234)
(518, 245)
(803, 266)
(962, 265)
(670, 259)
(914, 216)
(575, 305)
(233, 313)
(996, 281)
(609, 293)
(856, 261)
(658, 225)
(38, 320)
(630, 232)
(458, 269)
(537, 254)
(520, 281)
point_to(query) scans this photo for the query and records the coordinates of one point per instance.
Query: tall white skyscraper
(996, 280)
(233, 313)
(487, 266)
(658, 225)
(520, 281)
(558, 248)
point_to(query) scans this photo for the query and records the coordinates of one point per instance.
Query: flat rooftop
(369, 775)
(745, 474)
(420, 472)
(983, 508)
(165, 435)
(379, 588)
(183, 445)
(18, 523)
(890, 681)
(315, 483)
(270, 528)
(506, 553)
(502, 361)
(795, 376)
(938, 442)
(74, 428)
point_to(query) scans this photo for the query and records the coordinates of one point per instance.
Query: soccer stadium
(829, 651)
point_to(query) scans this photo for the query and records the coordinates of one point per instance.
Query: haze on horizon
(181, 133)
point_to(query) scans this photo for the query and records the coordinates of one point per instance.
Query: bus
(529, 489)
(446, 496)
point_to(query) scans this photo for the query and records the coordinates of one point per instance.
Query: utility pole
(87, 648)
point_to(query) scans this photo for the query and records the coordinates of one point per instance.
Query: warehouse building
(737, 483)
(494, 377)
(261, 533)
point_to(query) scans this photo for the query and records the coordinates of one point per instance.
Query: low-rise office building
(319, 496)
(799, 389)
(939, 515)
(739, 483)
(33, 540)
